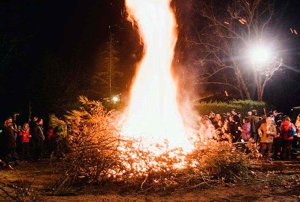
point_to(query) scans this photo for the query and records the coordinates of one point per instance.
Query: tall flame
(153, 113)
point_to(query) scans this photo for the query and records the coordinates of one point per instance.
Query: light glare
(115, 99)
(260, 54)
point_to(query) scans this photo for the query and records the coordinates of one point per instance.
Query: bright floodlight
(115, 99)
(260, 54)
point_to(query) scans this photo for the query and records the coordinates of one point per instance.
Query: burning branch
(100, 156)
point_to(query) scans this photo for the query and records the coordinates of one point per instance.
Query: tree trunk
(259, 87)
(242, 83)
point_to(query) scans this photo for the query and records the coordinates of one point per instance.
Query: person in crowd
(254, 119)
(38, 139)
(25, 136)
(287, 133)
(211, 116)
(277, 146)
(277, 117)
(10, 141)
(32, 125)
(2, 147)
(236, 117)
(51, 140)
(266, 132)
(227, 136)
(218, 124)
(246, 130)
(206, 130)
(234, 129)
(297, 125)
(296, 141)
(261, 120)
(16, 129)
(217, 121)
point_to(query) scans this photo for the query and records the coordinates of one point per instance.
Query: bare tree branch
(226, 35)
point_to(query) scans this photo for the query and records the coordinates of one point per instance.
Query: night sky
(34, 33)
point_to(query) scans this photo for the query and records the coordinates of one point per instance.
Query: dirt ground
(270, 181)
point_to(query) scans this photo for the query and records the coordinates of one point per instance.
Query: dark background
(49, 51)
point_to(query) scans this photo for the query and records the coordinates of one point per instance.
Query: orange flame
(153, 113)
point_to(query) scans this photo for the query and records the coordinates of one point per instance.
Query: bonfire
(151, 149)
(153, 114)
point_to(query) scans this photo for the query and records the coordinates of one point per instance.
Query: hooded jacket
(267, 133)
(287, 131)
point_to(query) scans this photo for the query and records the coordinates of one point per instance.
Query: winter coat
(297, 124)
(10, 140)
(287, 130)
(237, 119)
(234, 128)
(25, 136)
(267, 133)
(254, 123)
(246, 131)
(50, 134)
(38, 134)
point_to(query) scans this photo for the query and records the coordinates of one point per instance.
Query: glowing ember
(153, 114)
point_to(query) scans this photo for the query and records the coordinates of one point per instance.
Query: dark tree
(106, 80)
(223, 42)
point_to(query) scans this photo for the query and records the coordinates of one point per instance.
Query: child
(25, 138)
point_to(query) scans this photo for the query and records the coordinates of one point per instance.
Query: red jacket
(286, 130)
(50, 134)
(25, 136)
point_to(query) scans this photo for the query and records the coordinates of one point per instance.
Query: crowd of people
(24, 142)
(276, 135)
